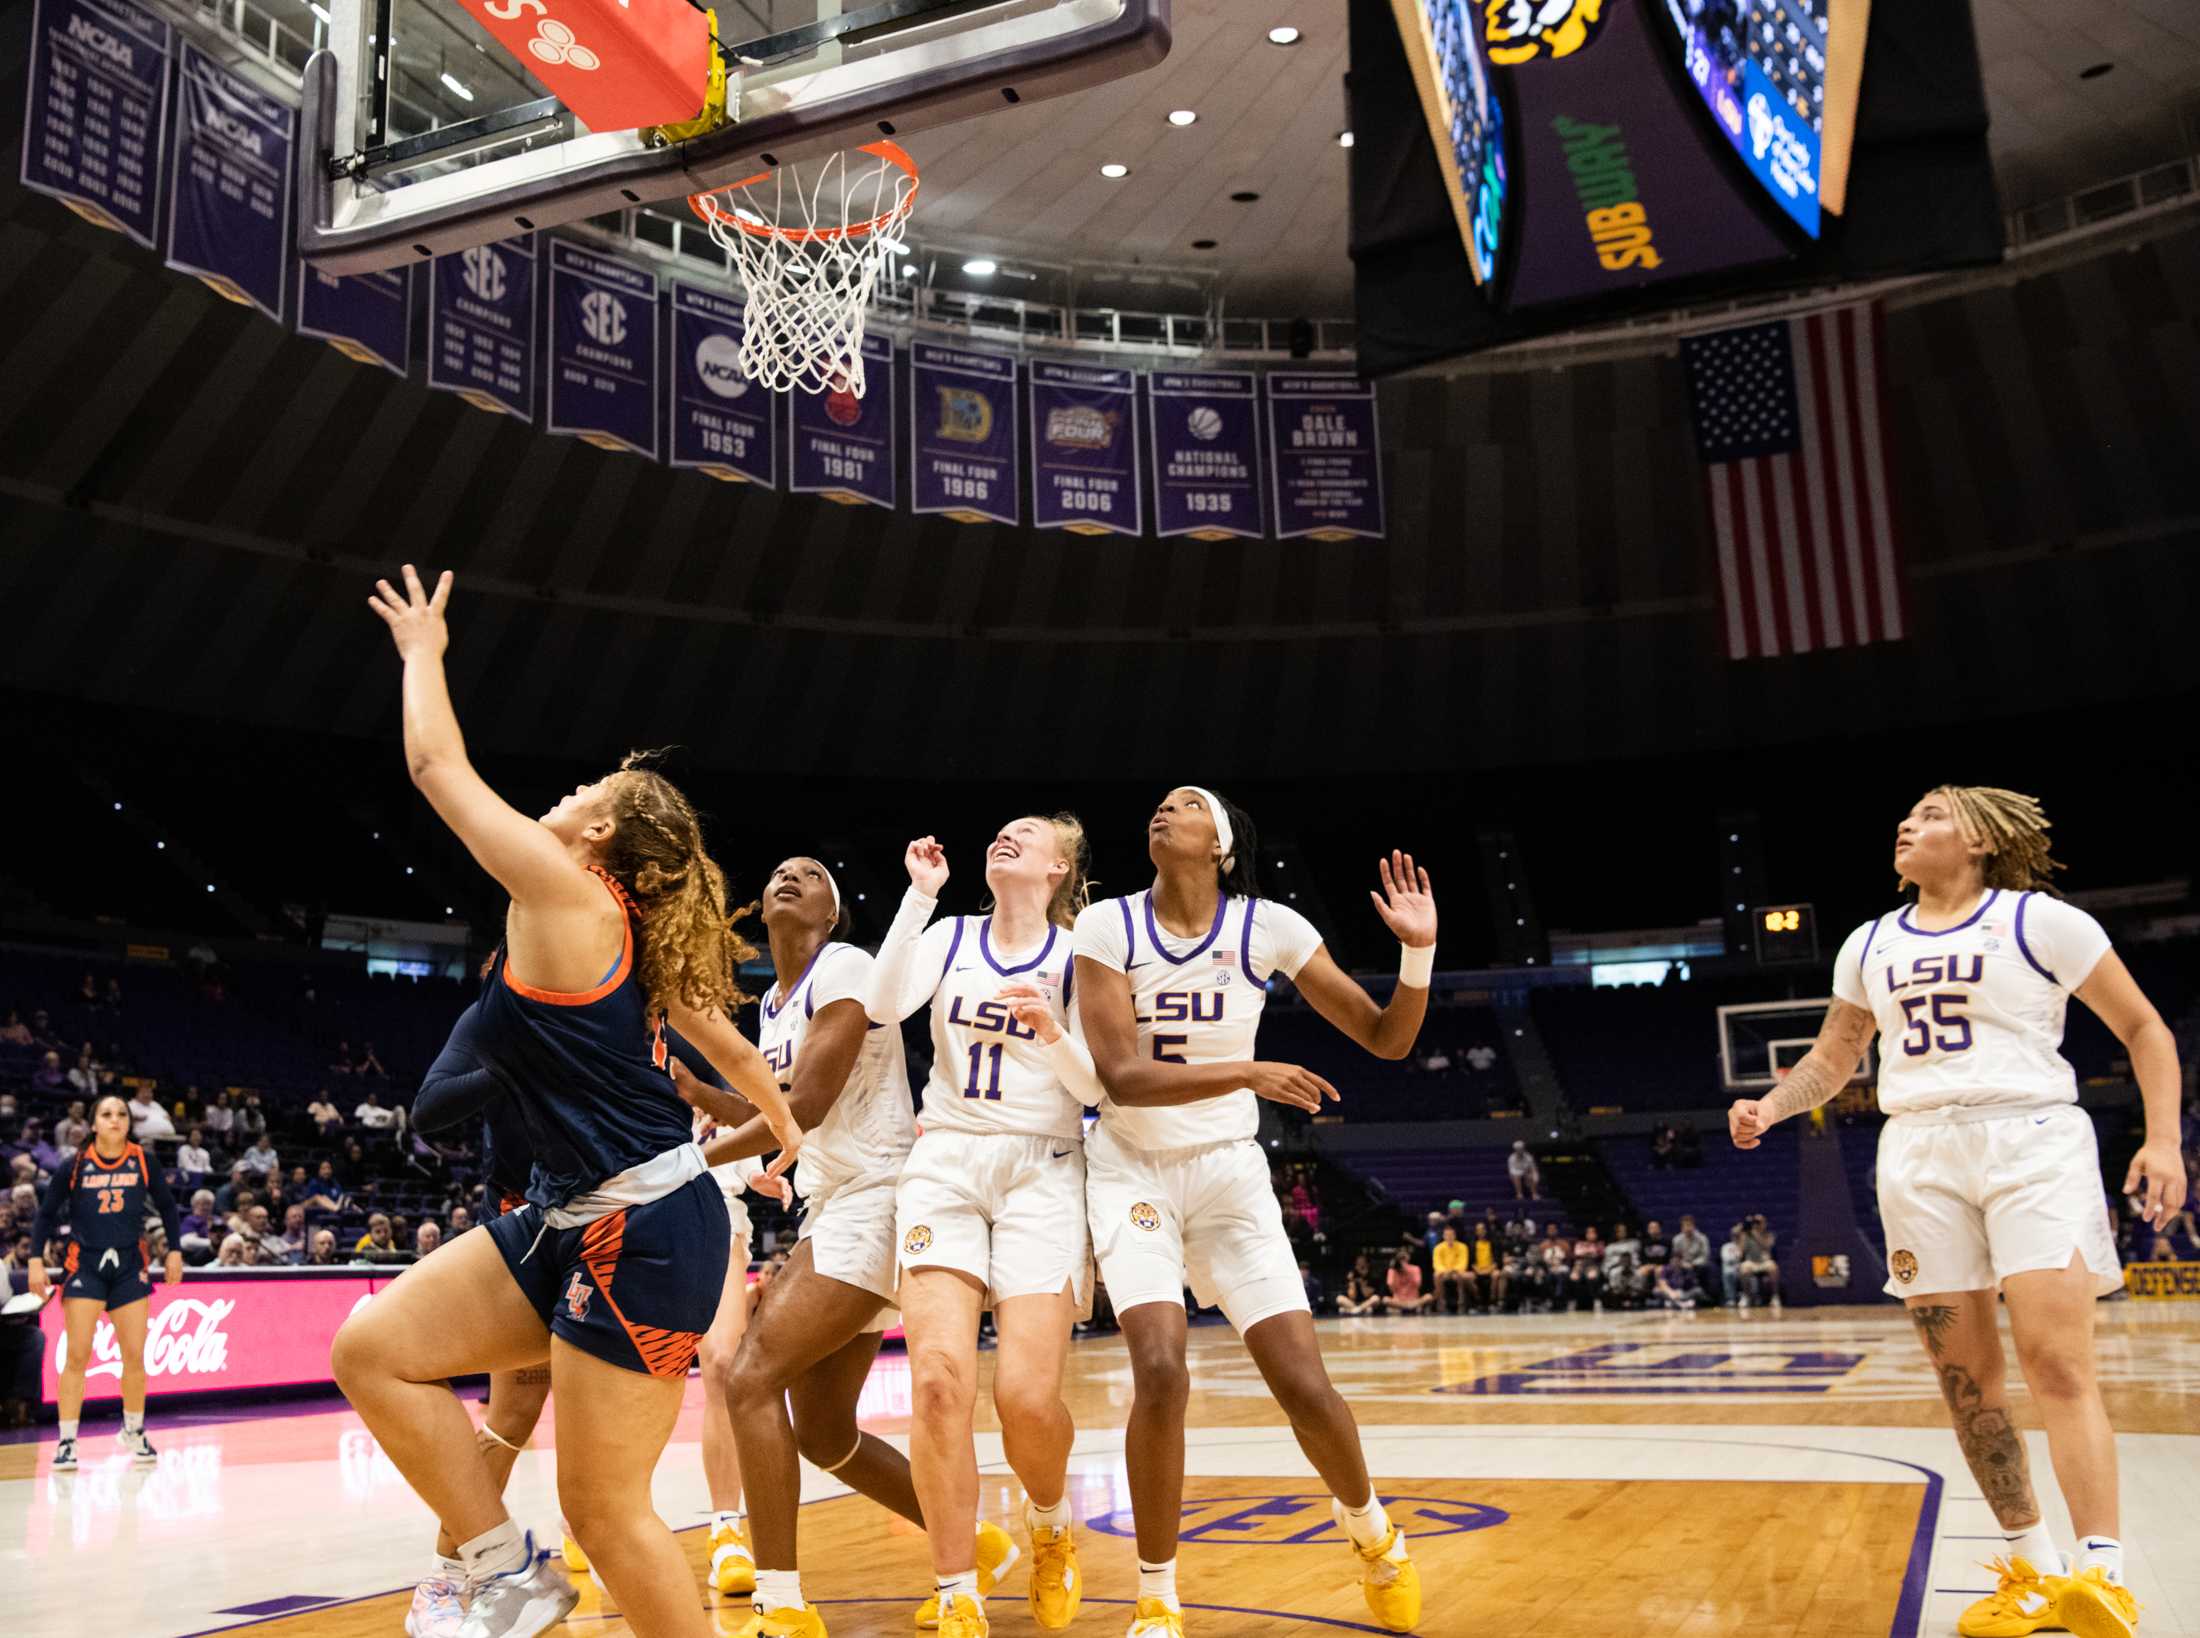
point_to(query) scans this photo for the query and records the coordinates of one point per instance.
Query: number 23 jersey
(1972, 1016)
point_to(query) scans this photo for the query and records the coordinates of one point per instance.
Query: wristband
(1416, 966)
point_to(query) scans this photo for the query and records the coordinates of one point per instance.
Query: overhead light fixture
(318, 12)
(981, 267)
(892, 247)
(457, 87)
(1114, 172)
(1344, 139)
(1285, 36)
(1183, 116)
(908, 270)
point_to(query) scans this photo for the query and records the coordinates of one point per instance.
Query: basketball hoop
(808, 258)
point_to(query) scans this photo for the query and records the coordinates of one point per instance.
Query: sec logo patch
(1145, 1217)
(916, 1240)
(1904, 1266)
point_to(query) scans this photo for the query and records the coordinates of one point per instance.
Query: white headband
(835, 886)
(1223, 836)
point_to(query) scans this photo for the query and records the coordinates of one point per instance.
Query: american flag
(1788, 426)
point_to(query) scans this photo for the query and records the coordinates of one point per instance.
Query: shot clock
(1786, 934)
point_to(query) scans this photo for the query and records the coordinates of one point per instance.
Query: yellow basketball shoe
(732, 1565)
(1057, 1585)
(575, 1559)
(1154, 1619)
(2023, 1602)
(802, 1623)
(1387, 1576)
(964, 1620)
(2092, 1606)
(997, 1555)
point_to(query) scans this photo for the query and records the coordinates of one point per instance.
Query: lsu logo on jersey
(988, 1018)
(1144, 1217)
(1933, 969)
(917, 1241)
(577, 1295)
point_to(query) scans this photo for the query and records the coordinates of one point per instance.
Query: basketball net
(809, 255)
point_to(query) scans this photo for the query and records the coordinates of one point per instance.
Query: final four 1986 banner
(962, 434)
(1206, 454)
(1325, 460)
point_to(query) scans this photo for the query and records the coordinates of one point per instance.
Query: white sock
(440, 1567)
(952, 1587)
(494, 1552)
(1368, 1526)
(727, 1519)
(133, 1422)
(1158, 1581)
(68, 1427)
(2036, 1546)
(778, 1590)
(2106, 1551)
(1057, 1517)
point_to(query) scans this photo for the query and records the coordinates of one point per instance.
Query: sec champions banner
(603, 350)
(1325, 461)
(481, 326)
(1084, 450)
(365, 316)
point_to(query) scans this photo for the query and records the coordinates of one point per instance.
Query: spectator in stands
(342, 1063)
(1311, 1284)
(46, 1155)
(1665, 1146)
(88, 1075)
(1405, 1285)
(401, 1230)
(251, 1118)
(1657, 1250)
(1730, 1267)
(239, 1221)
(199, 1223)
(352, 1169)
(1449, 1258)
(1360, 1295)
(15, 1032)
(1760, 1274)
(377, 1238)
(1488, 1266)
(261, 1157)
(373, 1115)
(427, 1237)
(49, 1079)
(326, 1116)
(461, 1221)
(149, 1119)
(2164, 1249)
(240, 1183)
(219, 1116)
(1623, 1276)
(1693, 1247)
(23, 1173)
(1527, 1177)
(1522, 1274)
(324, 1250)
(1438, 1227)
(75, 1129)
(1678, 1285)
(193, 1161)
(87, 994)
(111, 996)
(1481, 1057)
(369, 1064)
(236, 1252)
(42, 1031)
(1585, 1285)
(325, 1193)
(1519, 1232)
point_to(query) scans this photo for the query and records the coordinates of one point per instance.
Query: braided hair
(2013, 827)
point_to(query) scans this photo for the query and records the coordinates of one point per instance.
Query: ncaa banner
(721, 421)
(962, 434)
(1325, 463)
(481, 326)
(603, 350)
(367, 316)
(1084, 450)
(97, 119)
(229, 213)
(841, 446)
(1206, 454)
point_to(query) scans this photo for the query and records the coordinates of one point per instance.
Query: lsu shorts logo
(1903, 1264)
(917, 1240)
(1145, 1217)
(577, 1295)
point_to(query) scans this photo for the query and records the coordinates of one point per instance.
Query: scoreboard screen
(1760, 67)
(1785, 933)
(1465, 117)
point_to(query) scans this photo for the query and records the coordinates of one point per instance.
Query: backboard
(1761, 1040)
(423, 135)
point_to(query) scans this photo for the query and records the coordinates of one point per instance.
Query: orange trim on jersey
(91, 1153)
(663, 1353)
(611, 980)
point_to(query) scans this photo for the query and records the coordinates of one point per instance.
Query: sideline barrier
(2163, 1282)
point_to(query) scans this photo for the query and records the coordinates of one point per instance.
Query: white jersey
(989, 1072)
(1196, 1003)
(872, 1123)
(1972, 1016)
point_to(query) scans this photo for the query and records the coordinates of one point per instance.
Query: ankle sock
(133, 1422)
(778, 1590)
(1158, 1581)
(952, 1587)
(68, 1427)
(1057, 1517)
(2036, 1546)
(1367, 1525)
(2105, 1551)
(728, 1519)
(494, 1552)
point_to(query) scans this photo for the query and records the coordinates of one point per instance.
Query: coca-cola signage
(268, 1332)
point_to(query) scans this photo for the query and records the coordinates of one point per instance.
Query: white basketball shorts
(850, 1230)
(1004, 1208)
(1967, 1202)
(737, 1214)
(1207, 1215)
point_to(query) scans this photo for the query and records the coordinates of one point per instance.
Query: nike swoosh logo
(1063, 1154)
(2042, 1121)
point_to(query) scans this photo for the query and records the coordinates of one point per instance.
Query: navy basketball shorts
(636, 1289)
(115, 1276)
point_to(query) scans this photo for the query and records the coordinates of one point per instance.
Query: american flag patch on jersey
(1049, 977)
(1223, 958)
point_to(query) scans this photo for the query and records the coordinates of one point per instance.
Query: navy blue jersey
(103, 1202)
(585, 1071)
(460, 1086)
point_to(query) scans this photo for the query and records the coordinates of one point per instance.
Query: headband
(835, 886)
(1223, 836)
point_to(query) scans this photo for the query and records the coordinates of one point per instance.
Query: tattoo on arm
(1933, 1321)
(1992, 1448)
(1828, 1066)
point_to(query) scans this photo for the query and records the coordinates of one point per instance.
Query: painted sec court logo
(1296, 1519)
(918, 1239)
(1145, 1217)
(1903, 1265)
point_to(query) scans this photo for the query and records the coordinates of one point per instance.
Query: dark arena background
(1623, 453)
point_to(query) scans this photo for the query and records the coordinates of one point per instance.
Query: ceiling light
(1286, 36)
(1344, 139)
(981, 267)
(908, 270)
(1183, 116)
(1114, 172)
(458, 88)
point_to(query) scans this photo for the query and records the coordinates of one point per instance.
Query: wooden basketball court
(1565, 1477)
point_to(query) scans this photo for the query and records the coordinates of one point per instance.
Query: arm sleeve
(164, 1202)
(1102, 935)
(680, 1047)
(906, 971)
(1848, 968)
(458, 1084)
(1072, 1060)
(51, 1208)
(1283, 940)
(2060, 938)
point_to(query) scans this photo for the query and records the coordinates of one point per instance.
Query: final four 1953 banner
(962, 434)
(721, 421)
(1324, 457)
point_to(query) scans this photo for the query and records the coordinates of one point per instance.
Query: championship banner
(841, 446)
(1326, 461)
(1084, 450)
(962, 434)
(1206, 454)
(481, 326)
(97, 119)
(603, 350)
(229, 213)
(722, 423)
(367, 316)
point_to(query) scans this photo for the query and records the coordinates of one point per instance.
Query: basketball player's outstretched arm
(902, 977)
(1111, 1031)
(1829, 1066)
(1408, 909)
(2157, 1176)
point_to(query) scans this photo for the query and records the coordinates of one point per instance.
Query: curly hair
(2013, 828)
(690, 947)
